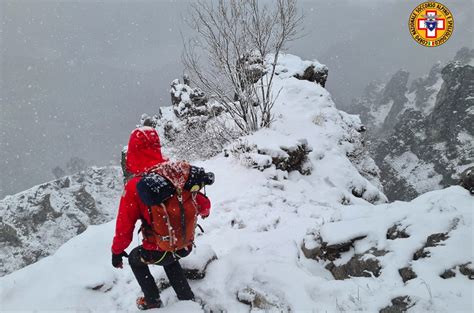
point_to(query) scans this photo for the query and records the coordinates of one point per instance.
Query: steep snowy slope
(316, 239)
(35, 222)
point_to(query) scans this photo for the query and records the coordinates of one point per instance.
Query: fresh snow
(258, 224)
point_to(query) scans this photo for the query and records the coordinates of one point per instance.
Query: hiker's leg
(175, 273)
(178, 281)
(143, 275)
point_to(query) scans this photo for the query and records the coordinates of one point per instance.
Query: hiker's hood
(144, 150)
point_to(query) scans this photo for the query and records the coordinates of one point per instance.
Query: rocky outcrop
(187, 101)
(317, 75)
(34, 223)
(359, 265)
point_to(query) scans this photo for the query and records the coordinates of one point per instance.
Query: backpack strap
(182, 211)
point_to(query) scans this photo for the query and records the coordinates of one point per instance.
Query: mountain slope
(428, 140)
(318, 238)
(34, 223)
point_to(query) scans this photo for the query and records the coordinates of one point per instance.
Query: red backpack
(173, 222)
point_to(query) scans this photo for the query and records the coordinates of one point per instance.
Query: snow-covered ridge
(35, 222)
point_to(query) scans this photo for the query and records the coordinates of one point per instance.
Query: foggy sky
(76, 76)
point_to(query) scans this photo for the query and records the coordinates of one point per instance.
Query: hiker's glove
(117, 259)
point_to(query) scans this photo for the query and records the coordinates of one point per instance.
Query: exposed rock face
(426, 138)
(34, 223)
(359, 265)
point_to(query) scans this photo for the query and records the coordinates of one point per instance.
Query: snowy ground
(256, 231)
(259, 223)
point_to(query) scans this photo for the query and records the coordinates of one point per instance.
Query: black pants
(139, 260)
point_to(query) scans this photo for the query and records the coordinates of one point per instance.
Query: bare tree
(241, 41)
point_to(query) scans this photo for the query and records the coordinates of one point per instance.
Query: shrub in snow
(286, 158)
(249, 156)
(399, 305)
(252, 67)
(397, 231)
(196, 139)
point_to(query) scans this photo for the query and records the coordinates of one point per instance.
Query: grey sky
(76, 76)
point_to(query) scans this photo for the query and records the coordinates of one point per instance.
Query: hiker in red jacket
(144, 153)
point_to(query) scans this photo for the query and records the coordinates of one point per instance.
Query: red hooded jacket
(144, 152)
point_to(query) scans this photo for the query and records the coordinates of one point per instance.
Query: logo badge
(431, 24)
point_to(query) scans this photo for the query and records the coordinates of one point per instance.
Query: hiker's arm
(204, 205)
(127, 216)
